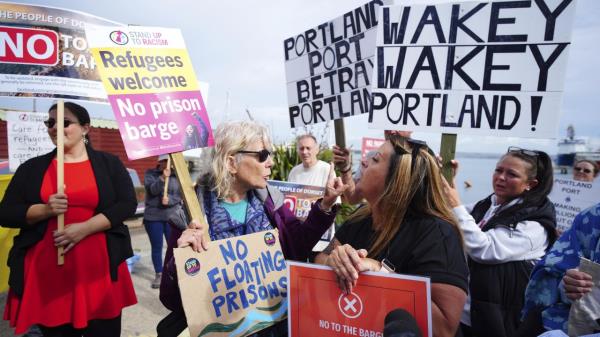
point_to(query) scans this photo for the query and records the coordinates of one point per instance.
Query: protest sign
(43, 51)
(27, 137)
(152, 89)
(299, 199)
(370, 144)
(328, 68)
(235, 288)
(481, 68)
(571, 197)
(317, 306)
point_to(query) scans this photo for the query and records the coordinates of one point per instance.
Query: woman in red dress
(84, 296)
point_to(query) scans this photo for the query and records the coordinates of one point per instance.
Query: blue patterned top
(545, 289)
(223, 225)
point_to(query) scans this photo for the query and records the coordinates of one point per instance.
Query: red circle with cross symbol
(350, 305)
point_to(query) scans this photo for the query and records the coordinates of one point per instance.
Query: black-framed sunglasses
(531, 153)
(263, 154)
(584, 170)
(416, 146)
(50, 122)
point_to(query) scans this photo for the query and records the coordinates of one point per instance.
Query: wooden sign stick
(165, 194)
(189, 195)
(60, 167)
(448, 153)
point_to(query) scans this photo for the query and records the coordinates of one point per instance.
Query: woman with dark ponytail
(505, 235)
(86, 294)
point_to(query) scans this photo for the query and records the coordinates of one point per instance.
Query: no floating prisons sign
(235, 288)
(483, 68)
(328, 68)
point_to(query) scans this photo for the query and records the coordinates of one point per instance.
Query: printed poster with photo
(299, 199)
(46, 53)
(152, 88)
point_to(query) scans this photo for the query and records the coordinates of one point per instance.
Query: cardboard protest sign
(481, 67)
(571, 197)
(27, 137)
(317, 306)
(43, 51)
(370, 144)
(328, 68)
(235, 288)
(299, 199)
(152, 89)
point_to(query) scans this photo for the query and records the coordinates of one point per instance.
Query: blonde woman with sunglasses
(238, 200)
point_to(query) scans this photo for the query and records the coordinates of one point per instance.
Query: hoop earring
(85, 140)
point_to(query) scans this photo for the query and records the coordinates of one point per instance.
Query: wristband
(346, 170)
(326, 211)
(387, 267)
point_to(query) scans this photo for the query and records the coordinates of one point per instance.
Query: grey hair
(231, 137)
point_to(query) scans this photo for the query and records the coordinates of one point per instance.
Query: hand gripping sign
(235, 288)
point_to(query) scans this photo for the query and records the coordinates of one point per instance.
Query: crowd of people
(497, 267)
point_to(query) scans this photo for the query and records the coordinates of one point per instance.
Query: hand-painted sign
(235, 288)
(27, 137)
(571, 197)
(480, 67)
(319, 308)
(328, 68)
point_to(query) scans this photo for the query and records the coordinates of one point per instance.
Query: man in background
(311, 171)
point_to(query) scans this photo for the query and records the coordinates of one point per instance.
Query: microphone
(400, 323)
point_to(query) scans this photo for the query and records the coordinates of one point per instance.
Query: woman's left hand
(451, 193)
(70, 235)
(335, 188)
(347, 263)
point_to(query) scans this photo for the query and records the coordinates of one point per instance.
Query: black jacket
(498, 290)
(116, 200)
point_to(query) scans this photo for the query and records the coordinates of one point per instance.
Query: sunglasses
(529, 153)
(263, 154)
(584, 170)
(50, 122)
(526, 152)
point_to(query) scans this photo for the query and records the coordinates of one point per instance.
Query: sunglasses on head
(416, 146)
(263, 154)
(531, 153)
(584, 170)
(50, 122)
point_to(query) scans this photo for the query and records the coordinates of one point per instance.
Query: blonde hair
(231, 137)
(419, 192)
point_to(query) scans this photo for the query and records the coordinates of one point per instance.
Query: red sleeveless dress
(81, 289)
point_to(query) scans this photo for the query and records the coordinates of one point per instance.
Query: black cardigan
(116, 200)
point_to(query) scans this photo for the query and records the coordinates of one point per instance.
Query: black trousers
(96, 328)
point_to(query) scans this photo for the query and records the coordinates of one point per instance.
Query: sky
(237, 48)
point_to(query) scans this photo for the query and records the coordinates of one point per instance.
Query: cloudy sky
(237, 47)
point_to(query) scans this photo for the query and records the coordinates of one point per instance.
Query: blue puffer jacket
(264, 212)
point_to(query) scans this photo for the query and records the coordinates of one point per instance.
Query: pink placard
(154, 124)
